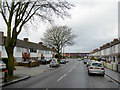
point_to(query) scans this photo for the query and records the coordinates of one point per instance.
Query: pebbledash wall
(109, 52)
(1, 34)
(25, 48)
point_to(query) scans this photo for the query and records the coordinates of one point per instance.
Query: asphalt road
(71, 75)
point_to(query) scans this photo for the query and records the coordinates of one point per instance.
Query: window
(3, 48)
(97, 64)
(18, 49)
(33, 50)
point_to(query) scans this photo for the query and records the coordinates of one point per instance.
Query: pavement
(24, 73)
(113, 75)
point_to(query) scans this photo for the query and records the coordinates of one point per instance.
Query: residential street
(72, 75)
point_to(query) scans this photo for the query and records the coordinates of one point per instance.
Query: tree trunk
(10, 60)
(10, 65)
(9, 46)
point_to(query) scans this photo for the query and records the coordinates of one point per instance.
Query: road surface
(71, 75)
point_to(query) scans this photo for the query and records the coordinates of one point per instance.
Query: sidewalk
(25, 73)
(32, 71)
(113, 74)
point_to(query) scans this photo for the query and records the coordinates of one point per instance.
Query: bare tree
(16, 13)
(58, 37)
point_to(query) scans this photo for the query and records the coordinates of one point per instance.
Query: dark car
(88, 63)
(79, 59)
(85, 61)
(42, 61)
(63, 61)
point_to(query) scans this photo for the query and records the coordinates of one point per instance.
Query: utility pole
(69, 52)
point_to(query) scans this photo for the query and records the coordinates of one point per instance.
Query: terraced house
(26, 50)
(109, 52)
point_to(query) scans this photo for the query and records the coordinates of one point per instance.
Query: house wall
(102, 52)
(39, 53)
(119, 47)
(48, 56)
(33, 54)
(24, 50)
(17, 52)
(0, 51)
(115, 49)
(107, 51)
(4, 54)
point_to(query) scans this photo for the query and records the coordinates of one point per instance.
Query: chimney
(115, 39)
(26, 39)
(40, 43)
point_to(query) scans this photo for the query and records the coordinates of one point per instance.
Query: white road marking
(61, 77)
(70, 70)
(66, 74)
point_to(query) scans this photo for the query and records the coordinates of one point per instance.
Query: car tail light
(102, 68)
(91, 68)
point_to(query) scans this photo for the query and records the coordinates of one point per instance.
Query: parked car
(63, 61)
(54, 63)
(29, 61)
(88, 63)
(96, 68)
(67, 60)
(79, 59)
(85, 61)
(2, 65)
(42, 61)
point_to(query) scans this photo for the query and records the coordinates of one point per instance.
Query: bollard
(5, 76)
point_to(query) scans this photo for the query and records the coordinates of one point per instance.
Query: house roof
(108, 45)
(26, 44)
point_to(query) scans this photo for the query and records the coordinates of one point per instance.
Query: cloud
(95, 24)
(94, 21)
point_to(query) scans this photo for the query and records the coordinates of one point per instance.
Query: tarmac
(24, 73)
(27, 72)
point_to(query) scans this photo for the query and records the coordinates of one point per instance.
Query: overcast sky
(94, 21)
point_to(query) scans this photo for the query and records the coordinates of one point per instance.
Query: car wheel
(89, 73)
(103, 75)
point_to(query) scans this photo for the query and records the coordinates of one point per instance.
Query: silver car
(2, 65)
(96, 68)
(54, 63)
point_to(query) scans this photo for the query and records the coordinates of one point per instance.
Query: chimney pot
(26, 39)
(40, 43)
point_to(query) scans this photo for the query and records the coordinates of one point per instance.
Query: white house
(25, 49)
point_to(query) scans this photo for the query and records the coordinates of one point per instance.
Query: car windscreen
(1, 61)
(97, 64)
(89, 62)
(53, 61)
